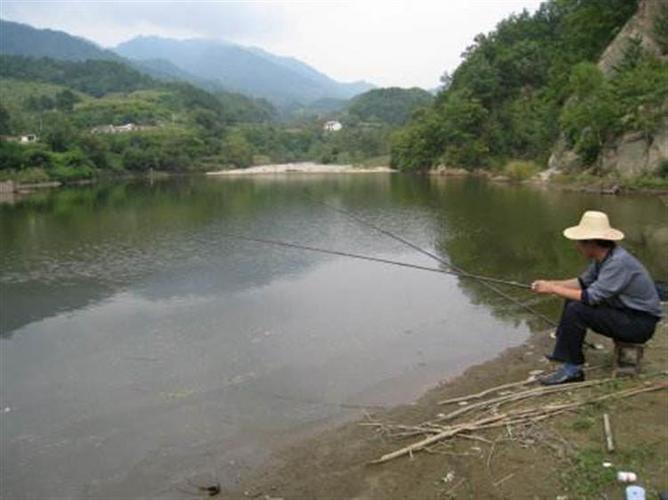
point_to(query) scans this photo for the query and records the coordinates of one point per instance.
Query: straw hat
(593, 226)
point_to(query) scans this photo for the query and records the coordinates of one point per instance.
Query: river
(142, 346)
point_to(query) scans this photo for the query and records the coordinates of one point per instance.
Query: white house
(28, 139)
(332, 126)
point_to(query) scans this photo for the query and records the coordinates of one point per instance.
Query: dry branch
(517, 396)
(484, 393)
(513, 417)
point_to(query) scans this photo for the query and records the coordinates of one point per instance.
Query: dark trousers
(622, 324)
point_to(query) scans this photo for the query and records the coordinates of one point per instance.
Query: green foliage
(660, 28)
(640, 95)
(237, 150)
(417, 146)
(11, 155)
(63, 101)
(663, 169)
(4, 120)
(390, 105)
(519, 170)
(589, 116)
(533, 77)
(93, 77)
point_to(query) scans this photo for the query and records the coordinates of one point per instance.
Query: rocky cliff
(633, 153)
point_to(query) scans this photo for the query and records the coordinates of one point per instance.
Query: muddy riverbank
(569, 463)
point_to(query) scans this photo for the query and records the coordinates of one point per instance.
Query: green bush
(663, 169)
(520, 170)
(660, 29)
(67, 173)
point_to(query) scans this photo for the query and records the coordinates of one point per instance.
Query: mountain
(23, 40)
(250, 70)
(213, 65)
(304, 69)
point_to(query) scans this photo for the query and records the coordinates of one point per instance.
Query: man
(615, 296)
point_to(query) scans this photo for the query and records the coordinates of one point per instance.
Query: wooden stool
(627, 358)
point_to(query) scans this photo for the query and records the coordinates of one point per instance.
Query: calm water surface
(142, 346)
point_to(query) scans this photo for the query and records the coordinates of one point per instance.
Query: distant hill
(23, 40)
(253, 71)
(392, 105)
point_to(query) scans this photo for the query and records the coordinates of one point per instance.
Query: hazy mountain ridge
(211, 64)
(245, 69)
(24, 40)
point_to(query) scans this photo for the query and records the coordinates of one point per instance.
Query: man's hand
(542, 286)
(560, 288)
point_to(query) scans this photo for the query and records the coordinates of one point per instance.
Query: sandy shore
(561, 458)
(302, 168)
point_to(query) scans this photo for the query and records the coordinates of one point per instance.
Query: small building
(115, 129)
(28, 139)
(332, 126)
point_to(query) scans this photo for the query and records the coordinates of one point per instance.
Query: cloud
(387, 42)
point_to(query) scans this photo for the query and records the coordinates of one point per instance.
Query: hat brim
(583, 233)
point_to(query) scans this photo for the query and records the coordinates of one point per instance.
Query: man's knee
(576, 308)
(577, 311)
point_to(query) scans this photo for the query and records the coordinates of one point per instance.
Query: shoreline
(335, 462)
(11, 190)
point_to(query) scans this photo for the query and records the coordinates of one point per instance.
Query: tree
(4, 120)
(660, 28)
(60, 135)
(237, 151)
(589, 117)
(65, 100)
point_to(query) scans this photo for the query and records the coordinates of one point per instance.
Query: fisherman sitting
(615, 296)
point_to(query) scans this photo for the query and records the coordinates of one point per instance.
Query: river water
(142, 346)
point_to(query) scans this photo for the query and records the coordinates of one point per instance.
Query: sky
(389, 43)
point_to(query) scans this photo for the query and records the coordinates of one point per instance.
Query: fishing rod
(460, 271)
(486, 279)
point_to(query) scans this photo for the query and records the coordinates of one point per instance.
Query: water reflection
(143, 345)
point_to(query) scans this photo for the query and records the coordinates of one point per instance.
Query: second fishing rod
(485, 281)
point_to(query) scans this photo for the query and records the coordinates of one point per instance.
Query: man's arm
(573, 283)
(568, 289)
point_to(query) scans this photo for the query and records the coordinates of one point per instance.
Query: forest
(180, 127)
(533, 80)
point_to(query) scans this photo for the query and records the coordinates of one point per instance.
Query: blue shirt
(620, 281)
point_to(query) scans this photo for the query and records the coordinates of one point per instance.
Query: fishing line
(478, 277)
(461, 272)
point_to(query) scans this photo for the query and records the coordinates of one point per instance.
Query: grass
(587, 478)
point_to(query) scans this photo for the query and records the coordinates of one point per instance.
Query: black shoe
(561, 377)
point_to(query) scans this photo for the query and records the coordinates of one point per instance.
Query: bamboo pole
(607, 428)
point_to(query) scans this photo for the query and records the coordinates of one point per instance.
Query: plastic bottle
(635, 493)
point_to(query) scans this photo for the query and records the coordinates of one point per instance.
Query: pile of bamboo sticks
(488, 413)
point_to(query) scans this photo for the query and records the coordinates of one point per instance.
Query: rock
(563, 159)
(640, 26)
(634, 154)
